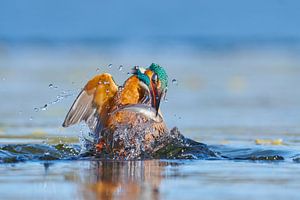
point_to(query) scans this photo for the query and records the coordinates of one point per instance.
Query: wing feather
(90, 102)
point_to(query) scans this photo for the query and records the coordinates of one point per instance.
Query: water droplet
(166, 100)
(100, 82)
(128, 73)
(107, 91)
(51, 85)
(55, 101)
(63, 92)
(110, 65)
(46, 141)
(30, 118)
(98, 69)
(174, 82)
(44, 107)
(120, 67)
(36, 109)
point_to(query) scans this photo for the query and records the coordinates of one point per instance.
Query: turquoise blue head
(162, 76)
(156, 79)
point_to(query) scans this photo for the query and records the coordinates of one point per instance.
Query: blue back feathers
(141, 76)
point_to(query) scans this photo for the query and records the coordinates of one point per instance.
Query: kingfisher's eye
(154, 78)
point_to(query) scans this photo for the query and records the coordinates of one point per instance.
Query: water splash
(63, 95)
(175, 82)
(52, 86)
(34, 152)
(143, 141)
(45, 107)
(172, 146)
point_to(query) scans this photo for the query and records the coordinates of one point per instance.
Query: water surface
(243, 103)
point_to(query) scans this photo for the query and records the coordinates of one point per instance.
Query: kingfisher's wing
(96, 94)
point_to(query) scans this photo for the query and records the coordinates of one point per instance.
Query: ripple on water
(177, 147)
(35, 152)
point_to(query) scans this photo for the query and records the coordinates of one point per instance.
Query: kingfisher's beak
(156, 95)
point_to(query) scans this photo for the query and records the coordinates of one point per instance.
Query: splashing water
(172, 146)
(33, 152)
(63, 95)
(51, 85)
(44, 107)
(175, 82)
(132, 143)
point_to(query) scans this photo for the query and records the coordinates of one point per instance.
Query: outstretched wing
(91, 101)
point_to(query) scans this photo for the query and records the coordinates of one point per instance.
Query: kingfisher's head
(158, 84)
(155, 79)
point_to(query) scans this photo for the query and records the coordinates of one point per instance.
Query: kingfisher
(126, 120)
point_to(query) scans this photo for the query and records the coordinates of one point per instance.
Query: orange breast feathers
(132, 92)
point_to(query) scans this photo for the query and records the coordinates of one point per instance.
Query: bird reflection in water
(124, 179)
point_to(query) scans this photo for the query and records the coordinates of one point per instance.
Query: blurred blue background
(193, 21)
